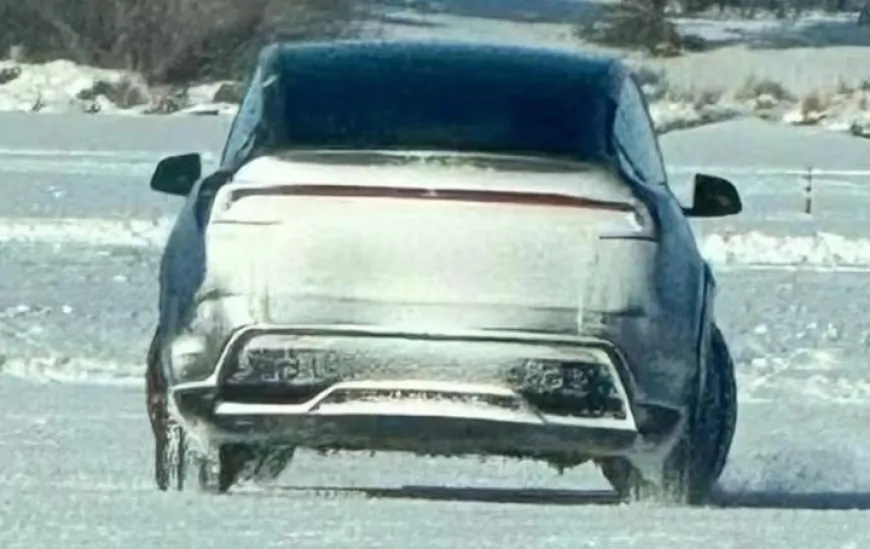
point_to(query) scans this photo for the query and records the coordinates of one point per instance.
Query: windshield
(375, 103)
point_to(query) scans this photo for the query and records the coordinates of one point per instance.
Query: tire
(219, 471)
(233, 463)
(271, 463)
(698, 458)
(170, 456)
(155, 389)
(727, 383)
(216, 473)
(170, 441)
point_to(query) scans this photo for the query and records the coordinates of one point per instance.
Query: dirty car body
(435, 248)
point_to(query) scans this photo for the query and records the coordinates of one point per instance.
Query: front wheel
(698, 458)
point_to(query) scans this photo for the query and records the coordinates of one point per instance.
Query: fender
(705, 325)
(155, 384)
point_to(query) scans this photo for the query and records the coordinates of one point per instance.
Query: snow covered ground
(80, 235)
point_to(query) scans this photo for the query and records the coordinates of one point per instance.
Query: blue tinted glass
(443, 103)
(634, 132)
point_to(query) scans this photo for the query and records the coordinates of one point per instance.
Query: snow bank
(845, 109)
(57, 86)
(822, 251)
(670, 115)
(64, 86)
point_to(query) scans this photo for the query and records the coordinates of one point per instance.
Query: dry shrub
(755, 87)
(813, 104)
(169, 41)
(641, 24)
(844, 87)
(698, 97)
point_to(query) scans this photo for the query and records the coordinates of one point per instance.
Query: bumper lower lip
(436, 427)
(435, 435)
(447, 400)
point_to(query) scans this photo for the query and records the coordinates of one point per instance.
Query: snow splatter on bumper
(374, 389)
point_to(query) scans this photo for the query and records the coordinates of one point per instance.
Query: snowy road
(79, 234)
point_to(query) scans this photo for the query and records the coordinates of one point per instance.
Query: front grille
(293, 370)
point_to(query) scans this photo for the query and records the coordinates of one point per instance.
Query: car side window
(244, 123)
(635, 135)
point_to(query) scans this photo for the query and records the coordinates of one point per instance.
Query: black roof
(594, 68)
(421, 49)
(551, 102)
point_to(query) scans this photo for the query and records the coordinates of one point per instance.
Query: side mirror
(177, 175)
(714, 197)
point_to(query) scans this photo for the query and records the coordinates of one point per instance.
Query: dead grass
(634, 24)
(755, 87)
(812, 104)
(169, 41)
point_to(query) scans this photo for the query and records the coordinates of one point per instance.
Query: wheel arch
(706, 323)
